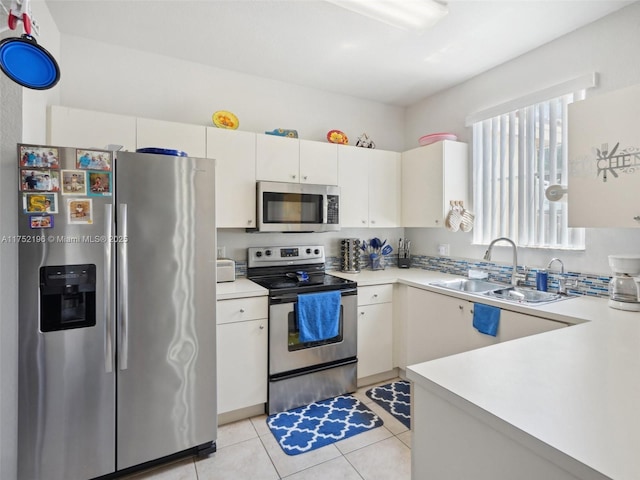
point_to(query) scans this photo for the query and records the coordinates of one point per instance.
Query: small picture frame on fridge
(79, 211)
(38, 156)
(99, 183)
(32, 179)
(93, 159)
(74, 182)
(40, 221)
(40, 202)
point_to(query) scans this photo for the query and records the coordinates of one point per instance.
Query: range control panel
(265, 256)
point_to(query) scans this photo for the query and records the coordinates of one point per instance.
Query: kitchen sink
(524, 295)
(500, 291)
(468, 285)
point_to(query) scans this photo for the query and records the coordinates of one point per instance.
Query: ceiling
(316, 44)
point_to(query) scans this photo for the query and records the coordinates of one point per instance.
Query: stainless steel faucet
(563, 281)
(515, 277)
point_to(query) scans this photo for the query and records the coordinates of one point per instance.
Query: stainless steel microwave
(298, 207)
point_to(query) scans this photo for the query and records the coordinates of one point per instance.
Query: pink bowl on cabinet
(436, 137)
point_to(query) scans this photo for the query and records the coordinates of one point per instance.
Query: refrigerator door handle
(123, 291)
(108, 297)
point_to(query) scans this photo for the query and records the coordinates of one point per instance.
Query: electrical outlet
(222, 252)
(443, 249)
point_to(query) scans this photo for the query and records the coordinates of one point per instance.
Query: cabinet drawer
(375, 294)
(241, 309)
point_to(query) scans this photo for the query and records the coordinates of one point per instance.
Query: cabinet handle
(364, 222)
(373, 221)
(375, 295)
(437, 221)
(637, 218)
(242, 310)
(471, 311)
(293, 176)
(361, 313)
(460, 307)
(249, 222)
(261, 327)
(304, 178)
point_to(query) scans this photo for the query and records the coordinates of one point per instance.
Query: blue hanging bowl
(27, 63)
(163, 151)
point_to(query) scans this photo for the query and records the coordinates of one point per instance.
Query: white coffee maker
(624, 287)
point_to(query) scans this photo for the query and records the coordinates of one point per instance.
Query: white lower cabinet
(375, 330)
(438, 325)
(242, 339)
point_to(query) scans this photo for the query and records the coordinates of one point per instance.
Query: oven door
(287, 354)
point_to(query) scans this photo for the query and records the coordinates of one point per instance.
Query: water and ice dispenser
(67, 297)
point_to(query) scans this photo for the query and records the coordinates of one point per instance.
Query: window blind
(516, 157)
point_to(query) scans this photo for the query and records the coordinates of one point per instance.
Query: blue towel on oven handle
(318, 316)
(486, 318)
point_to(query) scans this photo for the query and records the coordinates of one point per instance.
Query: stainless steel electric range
(304, 372)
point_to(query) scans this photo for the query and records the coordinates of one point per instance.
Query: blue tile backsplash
(587, 284)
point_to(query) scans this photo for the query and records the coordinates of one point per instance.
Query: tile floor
(248, 450)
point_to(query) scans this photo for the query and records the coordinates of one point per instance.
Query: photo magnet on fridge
(100, 183)
(93, 159)
(42, 180)
(40, 202)
(40, 221)
(79, 211)
(74, 182)
(36, 156)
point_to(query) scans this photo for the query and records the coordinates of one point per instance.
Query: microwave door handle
(325, 209)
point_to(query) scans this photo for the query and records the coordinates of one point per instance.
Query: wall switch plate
(443, 249)
(222, 252)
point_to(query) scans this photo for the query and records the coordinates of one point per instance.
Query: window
(516, 157)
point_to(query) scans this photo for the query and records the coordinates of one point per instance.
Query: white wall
(610, 47)
(113, 79)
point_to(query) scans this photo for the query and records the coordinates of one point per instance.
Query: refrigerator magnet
(74, 182)
(41, 221)
(94, 159)
(36, 179)
(37, 156)
(40, 202)
(79, 211)
(100, 183)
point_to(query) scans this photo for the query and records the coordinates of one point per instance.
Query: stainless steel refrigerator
(117, 336)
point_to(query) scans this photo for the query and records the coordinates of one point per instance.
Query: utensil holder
(350, 255)
(404, 262)
(377, 261)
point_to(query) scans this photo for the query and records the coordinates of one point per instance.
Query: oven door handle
(293, 297)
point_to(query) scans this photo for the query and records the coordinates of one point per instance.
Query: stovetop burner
(297, 269)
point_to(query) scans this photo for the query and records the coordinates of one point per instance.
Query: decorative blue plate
(27, 63)
(163, 151)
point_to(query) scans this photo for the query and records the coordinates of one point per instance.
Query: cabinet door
(516, 325)
(235, 154)
(432, 177)
(318, 163)
(72, 127)
(277, 158)
(439, 326)
(375, 339)
(242, 364)
(422, 186)
(171, 135)
(384, 188)
(603, 160)
(353, 179)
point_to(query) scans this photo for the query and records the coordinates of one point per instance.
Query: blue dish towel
(486, 318)
(318, 316)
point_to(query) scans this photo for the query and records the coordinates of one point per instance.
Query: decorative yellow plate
(224, 119)
(336, 136)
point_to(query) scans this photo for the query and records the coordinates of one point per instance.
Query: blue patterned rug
(395, 398)
(321, 423)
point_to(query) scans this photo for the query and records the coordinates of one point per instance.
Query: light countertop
(572, 394)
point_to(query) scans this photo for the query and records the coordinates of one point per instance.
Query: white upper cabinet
(432, 177)
(72, 127)
(235, 154)
(604, 160)
(284, 159)
(318, 162)
(277, 158)
(369, 181)
(171, 135)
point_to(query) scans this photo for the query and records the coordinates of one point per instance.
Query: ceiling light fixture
(415, 15)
